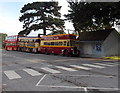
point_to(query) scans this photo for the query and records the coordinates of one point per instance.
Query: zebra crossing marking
(113, 64)
(81, 67)
(32, 72)
(65, 68)
(12, 74)
(104, 64)
(50, 70)
(96, 66)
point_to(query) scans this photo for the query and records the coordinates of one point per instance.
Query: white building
(100, 43)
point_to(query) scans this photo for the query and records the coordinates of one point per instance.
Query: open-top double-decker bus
(63, 44)
(29, 44)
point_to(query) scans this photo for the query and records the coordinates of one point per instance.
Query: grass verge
(113, 57)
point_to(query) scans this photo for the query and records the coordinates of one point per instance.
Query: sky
(10, 13)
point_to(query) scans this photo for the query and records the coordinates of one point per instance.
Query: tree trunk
(44, 31)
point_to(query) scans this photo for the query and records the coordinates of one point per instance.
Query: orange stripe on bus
(59, 35)
(55, 46)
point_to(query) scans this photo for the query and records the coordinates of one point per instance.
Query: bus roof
(58, 37)
(12, 35)
(29, 37)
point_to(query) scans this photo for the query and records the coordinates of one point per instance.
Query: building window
(98, 47)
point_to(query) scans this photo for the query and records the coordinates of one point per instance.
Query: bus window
(48, 43)
(33, 40)
(64, 43)
(72, 43)
(60, 43)
(37, 40)
(68, 43)
(56, 43)
(52, 43)
(45, 43)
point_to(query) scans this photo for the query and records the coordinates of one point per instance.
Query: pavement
(23, 71)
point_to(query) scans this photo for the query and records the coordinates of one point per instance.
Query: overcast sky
(10, 13)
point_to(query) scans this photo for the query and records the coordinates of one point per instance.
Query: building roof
(99, 35)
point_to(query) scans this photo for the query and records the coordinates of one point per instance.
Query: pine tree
(41, 15)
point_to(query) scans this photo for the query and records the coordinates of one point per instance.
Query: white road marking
(113, 64)
(12, 74)
(103, 64)
(96, 66)
(50, 70)
(32, 72)
(85, 89)
(66, 68)
(4, 54)
(4, 84)
(82, 75)
(41, 79)
(81, 67)
(113, 89)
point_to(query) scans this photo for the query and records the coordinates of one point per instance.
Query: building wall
(98, 50)
(111, 44)
(91, 49)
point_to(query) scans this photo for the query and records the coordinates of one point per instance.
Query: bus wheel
(12, 49)
(66, 53)
(35, 50)
(78, 53)
(7, 49)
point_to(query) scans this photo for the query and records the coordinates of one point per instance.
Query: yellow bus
(63, 44)
(29, 44)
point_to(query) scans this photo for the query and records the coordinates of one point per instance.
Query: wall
(89, 49)
(111, 44)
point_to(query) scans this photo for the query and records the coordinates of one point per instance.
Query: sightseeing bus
(11, 42)
(29, 44)
(63, 44)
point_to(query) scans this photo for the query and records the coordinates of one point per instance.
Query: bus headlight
(62, 51)
(71, 49)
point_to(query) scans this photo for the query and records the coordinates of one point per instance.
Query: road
(23, 71)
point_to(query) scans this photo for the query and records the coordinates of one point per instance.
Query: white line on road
(81, 67)
(113, 64)
(96, 66)
(85, 89)
(41, 80)
(32, 72)
(74, 75)
(12, 74)
(103, 64)
(113, 89)
(66, 68)
(4, 84)
(50, 70)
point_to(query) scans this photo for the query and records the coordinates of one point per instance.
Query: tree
(2, 39)
(88, 16)
(41, 15)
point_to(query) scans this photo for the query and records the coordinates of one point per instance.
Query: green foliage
(41, 15)
(2, 39)
(87, 16)
(113, 57)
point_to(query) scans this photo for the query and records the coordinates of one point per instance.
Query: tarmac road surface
(23, 71)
